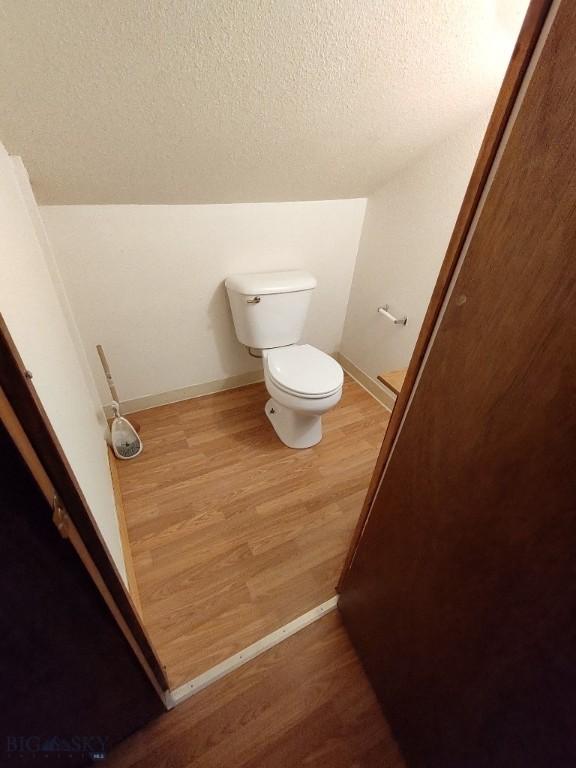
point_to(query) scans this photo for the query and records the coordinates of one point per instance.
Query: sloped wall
(406, 231)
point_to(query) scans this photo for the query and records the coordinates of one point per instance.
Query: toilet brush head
(126, 443)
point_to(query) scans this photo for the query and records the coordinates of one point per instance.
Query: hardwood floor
(305, 702)
(232, 533)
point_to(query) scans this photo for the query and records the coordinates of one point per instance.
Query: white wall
(147, 281)
(406, 231)
(43, 331)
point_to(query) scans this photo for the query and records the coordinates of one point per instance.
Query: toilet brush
(126, 443)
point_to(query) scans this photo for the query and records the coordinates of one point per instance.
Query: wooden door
(461, 597)
(71, 685)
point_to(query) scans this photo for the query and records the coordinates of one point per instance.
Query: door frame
(22, 413)
(521, 56)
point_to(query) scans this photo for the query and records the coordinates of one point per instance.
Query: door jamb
(527, 39)
(24, 416)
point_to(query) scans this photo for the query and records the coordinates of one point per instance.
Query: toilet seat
(304, 371)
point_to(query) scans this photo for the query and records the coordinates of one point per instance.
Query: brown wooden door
(461, 598)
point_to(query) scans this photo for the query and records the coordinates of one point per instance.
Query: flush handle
(254, 300)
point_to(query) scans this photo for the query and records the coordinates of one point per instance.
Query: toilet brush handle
(107, 372)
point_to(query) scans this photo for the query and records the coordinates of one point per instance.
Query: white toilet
(269, 310)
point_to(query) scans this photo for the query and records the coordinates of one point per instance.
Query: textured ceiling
(185, 101)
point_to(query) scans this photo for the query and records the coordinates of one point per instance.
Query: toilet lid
(304, 370)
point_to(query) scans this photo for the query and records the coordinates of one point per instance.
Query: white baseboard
(381, 393)
(378, 391)
(187, 393)
(192, 687)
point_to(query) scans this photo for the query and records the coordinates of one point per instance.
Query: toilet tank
(269, 308)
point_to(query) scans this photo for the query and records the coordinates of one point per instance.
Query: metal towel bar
(396, 320)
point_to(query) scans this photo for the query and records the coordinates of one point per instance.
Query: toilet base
(295, 428)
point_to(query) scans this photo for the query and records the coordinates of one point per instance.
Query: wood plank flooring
(232, 533)
(305, 702)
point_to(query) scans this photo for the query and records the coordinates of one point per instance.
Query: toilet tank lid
(271, 282)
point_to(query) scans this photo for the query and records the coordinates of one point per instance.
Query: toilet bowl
(303, 383)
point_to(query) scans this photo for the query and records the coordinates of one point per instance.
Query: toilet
(269, 311)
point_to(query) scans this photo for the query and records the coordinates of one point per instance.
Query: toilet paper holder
(396, 320)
